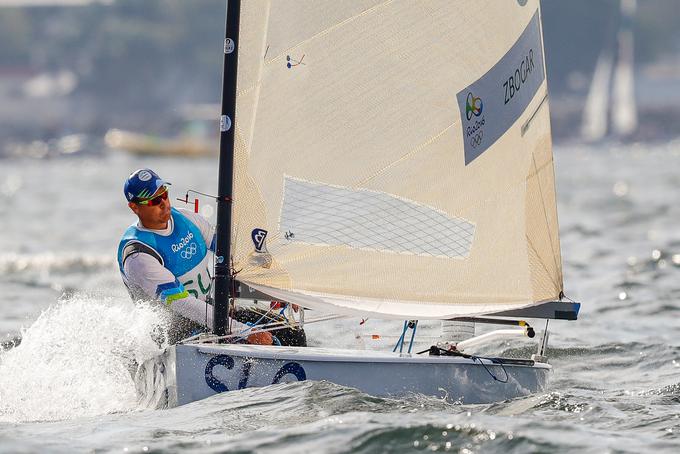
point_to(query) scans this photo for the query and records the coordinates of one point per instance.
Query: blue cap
(142, 184)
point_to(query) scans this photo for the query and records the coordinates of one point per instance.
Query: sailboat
(611, 109)
(389, 160)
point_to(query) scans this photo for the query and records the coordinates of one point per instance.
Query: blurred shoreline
(79, 71)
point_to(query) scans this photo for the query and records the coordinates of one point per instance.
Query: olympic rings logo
(476, 140)
(189, 251)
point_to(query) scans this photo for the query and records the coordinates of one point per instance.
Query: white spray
(77, 360)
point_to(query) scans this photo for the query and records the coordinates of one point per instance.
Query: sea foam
(77, 359)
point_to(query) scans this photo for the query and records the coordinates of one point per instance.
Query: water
(616, 380)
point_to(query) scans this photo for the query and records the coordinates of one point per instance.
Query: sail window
(328, 215)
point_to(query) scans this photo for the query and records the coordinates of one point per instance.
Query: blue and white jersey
(172, 264)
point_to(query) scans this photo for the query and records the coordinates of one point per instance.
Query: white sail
(612, 90)
(596, 111)
(624, 107)
(394, 157)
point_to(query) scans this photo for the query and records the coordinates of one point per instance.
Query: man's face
(155, 212)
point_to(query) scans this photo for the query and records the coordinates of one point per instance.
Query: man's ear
(134, 208)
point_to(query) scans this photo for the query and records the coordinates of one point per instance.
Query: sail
(612, 90)
(596, 110)
(394, 158)
(624, 109)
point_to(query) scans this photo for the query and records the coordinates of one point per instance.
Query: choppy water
(616, 380)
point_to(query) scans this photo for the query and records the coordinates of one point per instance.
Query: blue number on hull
(243, 382)
(290, 368)
(227, 361)
(215, 384)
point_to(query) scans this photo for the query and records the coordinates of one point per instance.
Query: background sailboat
(624, 108)
(611, 108)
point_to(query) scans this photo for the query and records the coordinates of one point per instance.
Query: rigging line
(211, 293)
(567, 298)
(543, 265)
(260, 329)
(545, 214)
(400, 342)
(280, 324)
(257, 323)
(286, 321)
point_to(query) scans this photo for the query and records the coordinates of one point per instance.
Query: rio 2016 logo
(182, 243)
(473, 106)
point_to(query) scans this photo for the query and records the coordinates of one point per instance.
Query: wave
(324, 417)
(77, 360)
(607, 349)
(54, 263)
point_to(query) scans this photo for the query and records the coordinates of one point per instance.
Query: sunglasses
(156, 200)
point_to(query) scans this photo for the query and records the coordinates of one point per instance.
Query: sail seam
(538, 170)
(545, 268)
(330, 29)
(547, 224)
(257, 87)
(258, 82)
(407, 155)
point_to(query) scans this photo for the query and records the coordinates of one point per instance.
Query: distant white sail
(624, 106)
(612, 90)
(394, 157)
(595, 123)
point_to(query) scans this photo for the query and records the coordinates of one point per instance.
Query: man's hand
(261, 338)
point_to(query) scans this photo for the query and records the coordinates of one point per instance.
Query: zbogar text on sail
(515, 81)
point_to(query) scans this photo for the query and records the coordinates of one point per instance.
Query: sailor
(167, 255)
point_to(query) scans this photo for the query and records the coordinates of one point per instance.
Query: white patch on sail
(316, 213)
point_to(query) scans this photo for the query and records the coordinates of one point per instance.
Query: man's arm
(157, 283)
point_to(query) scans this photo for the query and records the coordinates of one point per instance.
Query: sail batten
(387, 163)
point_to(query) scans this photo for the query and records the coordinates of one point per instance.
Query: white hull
(187, 373)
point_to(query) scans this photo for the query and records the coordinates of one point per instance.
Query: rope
(480, 358)
(401, 338)
(438, 351)
(251, 325)
(413, 324)
(262, 329)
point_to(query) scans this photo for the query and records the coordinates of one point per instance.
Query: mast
(223, 279)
